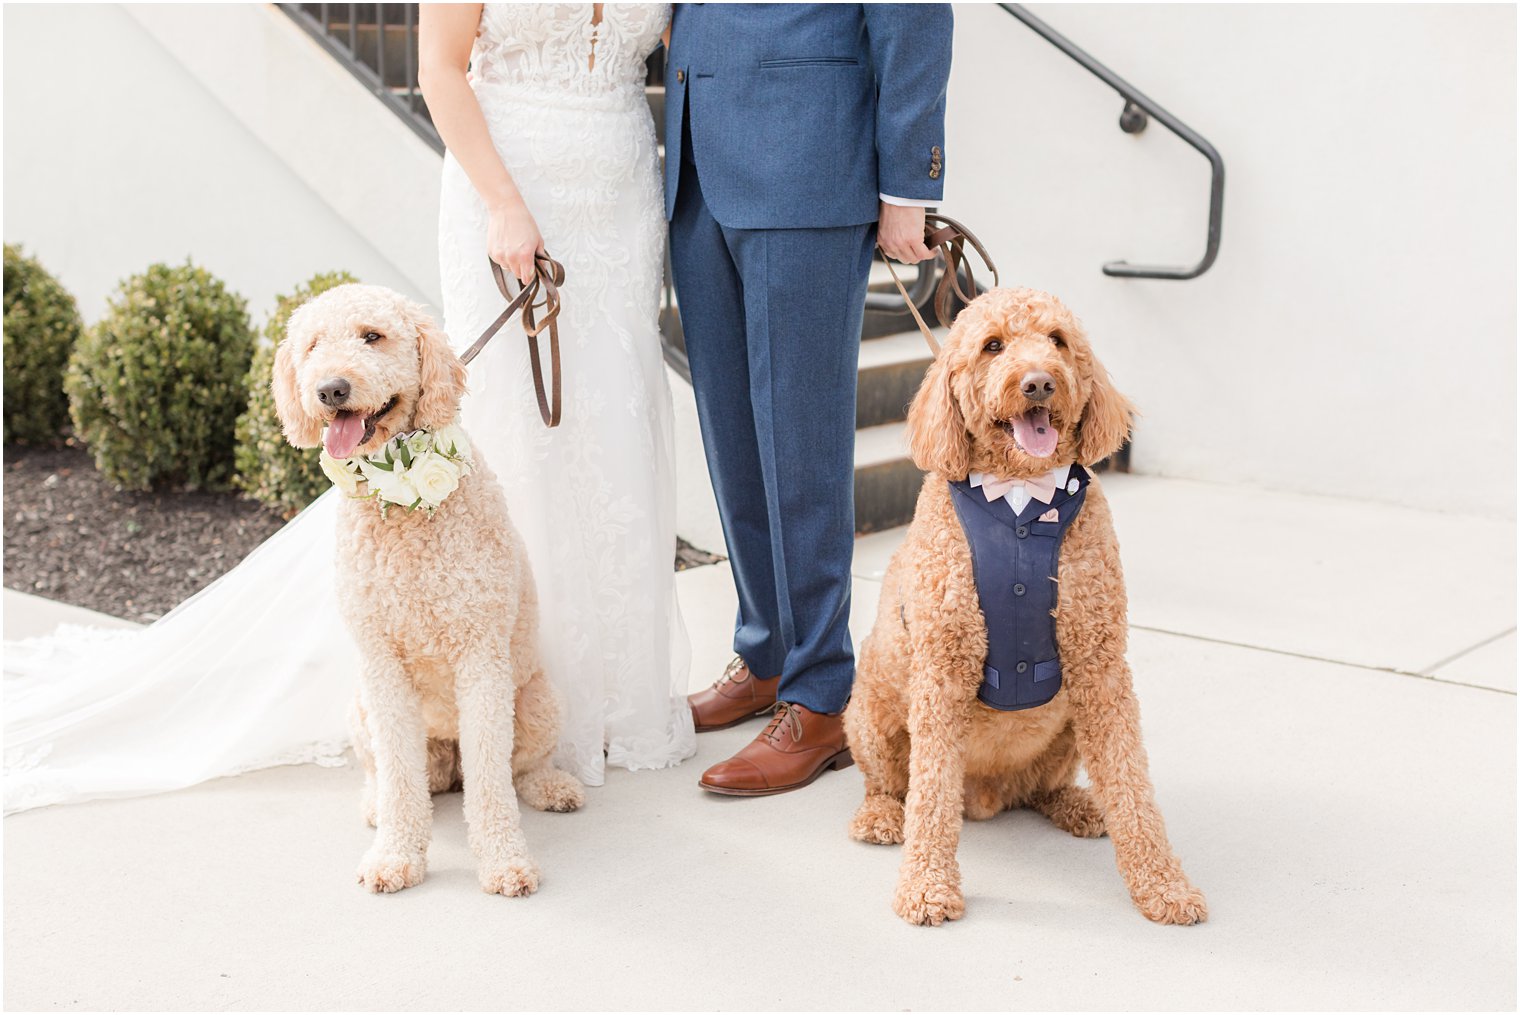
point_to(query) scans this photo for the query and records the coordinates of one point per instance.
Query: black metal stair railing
(377, 43)
(1139, 110)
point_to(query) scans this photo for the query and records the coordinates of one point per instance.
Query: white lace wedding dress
(256, 670)
(563, 97)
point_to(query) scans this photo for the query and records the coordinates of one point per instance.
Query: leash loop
(548, 276)
(948, 238)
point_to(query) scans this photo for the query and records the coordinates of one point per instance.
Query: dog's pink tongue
(1036, 436)
(344, 434)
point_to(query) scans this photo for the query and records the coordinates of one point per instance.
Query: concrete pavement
(1330, 715)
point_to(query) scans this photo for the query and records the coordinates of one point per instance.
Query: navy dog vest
(1014, 558)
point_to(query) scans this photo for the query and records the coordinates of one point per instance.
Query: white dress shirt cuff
(906, 202)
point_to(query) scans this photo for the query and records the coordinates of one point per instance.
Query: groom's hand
(900, 231)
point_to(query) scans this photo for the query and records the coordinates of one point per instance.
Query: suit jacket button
(680, 77)
(934, 172)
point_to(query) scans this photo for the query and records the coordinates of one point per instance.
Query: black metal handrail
(396, 86)
(1138, 109)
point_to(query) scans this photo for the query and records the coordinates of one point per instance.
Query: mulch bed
(70, 536)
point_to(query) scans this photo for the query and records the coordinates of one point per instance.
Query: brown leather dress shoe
(738, 695)
(795, 748)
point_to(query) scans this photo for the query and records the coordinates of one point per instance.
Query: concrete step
(891, 369)
(886, 480)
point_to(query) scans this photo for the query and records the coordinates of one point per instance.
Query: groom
(797, 136)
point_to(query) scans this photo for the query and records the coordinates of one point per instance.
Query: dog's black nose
(334, 392)
(1037, 385)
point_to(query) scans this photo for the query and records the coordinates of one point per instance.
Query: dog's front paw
(391, 872)
(928, 900)
(510, 879)
(549, 789)
(1171, 898)
(1073, 810)
(879, 820)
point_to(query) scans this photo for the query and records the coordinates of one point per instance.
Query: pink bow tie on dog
(1041, 488)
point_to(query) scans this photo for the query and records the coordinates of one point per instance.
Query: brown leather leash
(949, 237)
(941, 233)
(548, 276)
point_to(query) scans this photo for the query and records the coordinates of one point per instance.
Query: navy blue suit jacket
(801, 114)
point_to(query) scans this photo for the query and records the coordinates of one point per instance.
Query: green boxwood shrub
(282, 478)
(155, 387)
(41, 326)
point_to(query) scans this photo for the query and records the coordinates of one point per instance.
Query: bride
(551, 146)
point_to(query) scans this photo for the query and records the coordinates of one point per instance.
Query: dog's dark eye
(995, 346)
(371, 337)
(1058, 339)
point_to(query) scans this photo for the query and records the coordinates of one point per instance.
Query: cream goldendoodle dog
(442, 607)
(945, 720)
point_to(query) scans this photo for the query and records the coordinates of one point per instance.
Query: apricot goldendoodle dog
(1016, 394)
(443, 608)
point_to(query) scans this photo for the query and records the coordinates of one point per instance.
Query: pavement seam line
(1325, 659)
(1467, 651)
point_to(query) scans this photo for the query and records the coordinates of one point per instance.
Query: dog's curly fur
(443, 608)
(929, 750)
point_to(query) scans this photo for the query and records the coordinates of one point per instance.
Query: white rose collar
(414, 470)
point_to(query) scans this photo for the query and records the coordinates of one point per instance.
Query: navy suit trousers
(772, 324)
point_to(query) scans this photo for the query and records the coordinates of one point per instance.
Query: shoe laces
(732, 674)
(784, 714)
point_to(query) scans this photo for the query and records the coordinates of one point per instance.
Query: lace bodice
(552, 46)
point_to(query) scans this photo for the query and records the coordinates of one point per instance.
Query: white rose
(418, 442)
(452, 436)
(341, 475)
(434, 476)
(394, 485)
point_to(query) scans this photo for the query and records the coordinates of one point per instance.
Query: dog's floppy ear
(301, 429)
(937, 436)
(1106, 419)
(440, 374)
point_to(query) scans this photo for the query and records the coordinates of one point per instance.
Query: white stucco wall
(1360, 323)
(138, 133)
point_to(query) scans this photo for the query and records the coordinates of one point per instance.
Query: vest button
(681, 77)
(1018, 589)
(1021, 531)
(1021, 667)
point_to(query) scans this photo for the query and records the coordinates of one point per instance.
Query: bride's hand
(513, 239)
